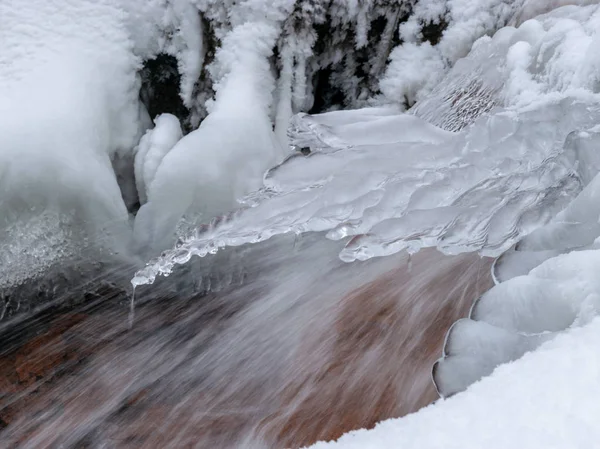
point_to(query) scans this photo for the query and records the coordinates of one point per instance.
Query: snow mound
(546, 284)
(68, 104)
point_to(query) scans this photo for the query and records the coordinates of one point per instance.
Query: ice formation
(75, 64)
(410, 185)
(523, 169)
(152, 149)
(204, 173)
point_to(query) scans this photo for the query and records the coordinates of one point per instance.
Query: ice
(495, 186)
(474, 349)
(561, 292)
(410, 185)
(546, 284)
(207, 170)
(574, 228)
(152, 149)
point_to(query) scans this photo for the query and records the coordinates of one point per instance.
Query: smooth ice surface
(547, 399)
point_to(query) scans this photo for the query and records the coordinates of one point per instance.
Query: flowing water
(281, 346)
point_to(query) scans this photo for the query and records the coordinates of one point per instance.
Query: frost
(172, 27)
(461, 23)
(403, 81)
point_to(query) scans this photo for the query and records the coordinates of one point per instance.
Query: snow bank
(547, 399)
(68, 104)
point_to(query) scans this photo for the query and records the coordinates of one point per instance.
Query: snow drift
(68, 102)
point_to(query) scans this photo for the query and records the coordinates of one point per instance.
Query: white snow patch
(68, 104)
(153, 147)
(210, 168)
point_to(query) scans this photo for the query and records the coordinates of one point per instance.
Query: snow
(172, 27)
(69, 103)
(547, 399)
(152, 149)
(204, 174)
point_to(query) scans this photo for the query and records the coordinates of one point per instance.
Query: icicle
(132, 308)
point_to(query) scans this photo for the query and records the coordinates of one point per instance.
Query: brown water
(306, 349)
